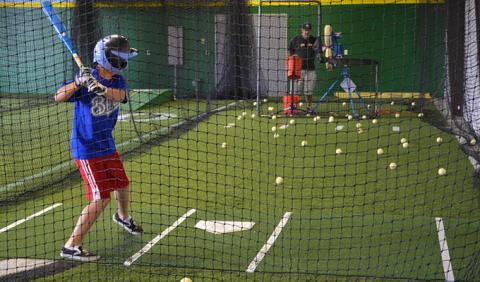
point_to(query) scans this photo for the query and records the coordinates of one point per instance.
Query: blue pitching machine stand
(334, 54)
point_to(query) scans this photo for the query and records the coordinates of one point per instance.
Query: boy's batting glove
(96, 87)
(83, 76)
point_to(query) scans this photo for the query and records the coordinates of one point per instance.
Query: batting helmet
(113, 52)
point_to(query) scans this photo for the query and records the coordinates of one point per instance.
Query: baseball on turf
(392, 103)
(338, 151)
(300, 104)
(380, 151)
(274, 117)
(420, 115)
(344, 104)
(397, 115)
(254, 103)
(358, 125)
(270, 109)
(224, 145)
(374, 121)
(442, 171)
(405, 145)
(349, 117)
(253, 115)
(439, 140)
(265, 100)
(331, 119)
(292, 121)
(403, 140)
(239, 117)
(279, 180)
(364, 117)
(359, 131)
(276, 135)
(274, 128)
(186, 279)
(244, 113)
(413, 104)
(392, 165)
(304, 143)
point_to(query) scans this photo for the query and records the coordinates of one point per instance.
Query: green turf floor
(352, 217)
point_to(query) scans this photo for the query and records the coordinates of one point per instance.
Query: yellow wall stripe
(346, 2)
(35, 5)
(253, 3)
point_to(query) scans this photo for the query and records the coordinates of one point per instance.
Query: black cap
(307, 26)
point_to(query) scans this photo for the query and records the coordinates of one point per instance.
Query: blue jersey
(94, 118)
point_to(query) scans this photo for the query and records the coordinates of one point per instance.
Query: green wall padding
(404, 38)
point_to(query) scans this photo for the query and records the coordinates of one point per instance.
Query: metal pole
(319, 18)
(259, 20)
(377, 108)
(175, 81)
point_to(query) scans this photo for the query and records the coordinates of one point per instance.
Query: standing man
(306, 47)
(97, 94)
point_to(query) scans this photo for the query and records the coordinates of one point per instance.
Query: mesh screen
(364, 167)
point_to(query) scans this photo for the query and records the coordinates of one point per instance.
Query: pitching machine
(336, 57)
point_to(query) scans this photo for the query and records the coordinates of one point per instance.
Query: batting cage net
(239, 140)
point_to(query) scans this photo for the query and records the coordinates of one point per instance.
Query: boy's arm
(115, 94)
(65, 92)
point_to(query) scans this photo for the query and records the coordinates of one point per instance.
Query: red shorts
(102, 175)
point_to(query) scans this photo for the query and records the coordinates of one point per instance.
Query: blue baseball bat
(60, 29)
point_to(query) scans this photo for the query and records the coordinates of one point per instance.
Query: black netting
(359, 162)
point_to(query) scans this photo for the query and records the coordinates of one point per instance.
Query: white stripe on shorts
(91, 180)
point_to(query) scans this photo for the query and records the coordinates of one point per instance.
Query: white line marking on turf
(159, 237)
(18, 222)
(263, 251)
(442, 240)
(70, 164)
(17, 265)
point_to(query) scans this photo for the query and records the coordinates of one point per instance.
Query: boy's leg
(88, 217)
(121, 217)
(118, 182)
(122, 202)
(93, 174)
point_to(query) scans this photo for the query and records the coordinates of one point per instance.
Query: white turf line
(263, 251)
(159, 237)
(18, 222)
(442, 240)
(67, 164)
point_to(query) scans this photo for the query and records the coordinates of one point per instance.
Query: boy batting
(96, 105)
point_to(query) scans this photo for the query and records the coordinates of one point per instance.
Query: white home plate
(396, 128)
(229, 125)
(339, 127)
(220, 227)
(12, 266)
(285, 126)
